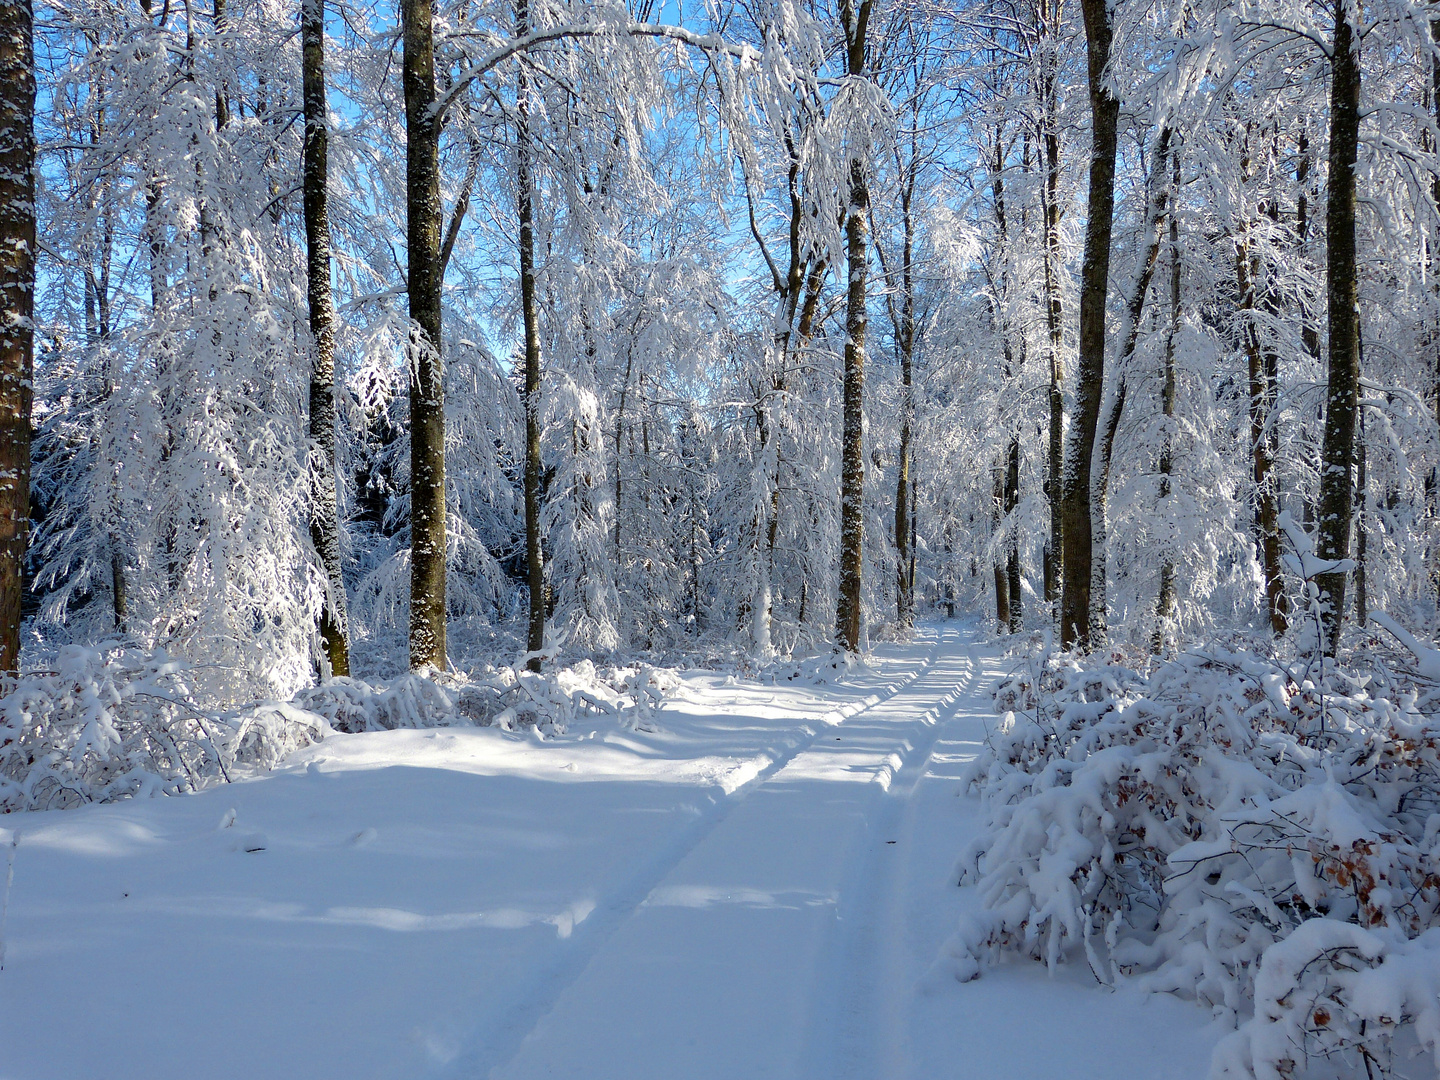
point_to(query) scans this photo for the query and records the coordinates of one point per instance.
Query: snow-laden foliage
(508, 698)
(111, 721)
(1254, 833)
(114, 721)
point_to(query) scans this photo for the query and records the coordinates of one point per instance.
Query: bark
(1337, 455)
(1266, 453)
(1016, 622)
(17, 309)
(904, 506)
(1008, 478)
(1054, 315)
(1165, 599)
(1075, 603)
(534, 551)
(852, 466)
(1002, 580)
(427, 378)
(1362, 596)
(324, 508)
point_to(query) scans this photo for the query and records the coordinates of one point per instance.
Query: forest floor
(761, 887)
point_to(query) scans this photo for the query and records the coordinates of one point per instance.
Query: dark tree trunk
(1054, 322)
(1165, 599)
(1337, 455)
(427, 372)
(324, 510)
(534, 555)
(1007, 494)
(904, 507)
(1075, 607)
(17, 309)
(1362, 596)
(1002, 580)
(852, 465)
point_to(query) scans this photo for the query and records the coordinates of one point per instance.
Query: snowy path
(761, 889)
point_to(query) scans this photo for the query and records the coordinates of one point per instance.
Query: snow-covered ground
(762, 887)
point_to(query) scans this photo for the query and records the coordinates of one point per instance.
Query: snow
(760, 887)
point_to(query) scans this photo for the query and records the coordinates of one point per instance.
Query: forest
(448, 363)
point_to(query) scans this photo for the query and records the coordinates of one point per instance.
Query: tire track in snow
(498, 1043)
(856, 1026)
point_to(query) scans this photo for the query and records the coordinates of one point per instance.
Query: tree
(427, 371)
(17, 309)
(534, 554)
(1342, 394)
(848, 615)
(324, 511)
(1078, 618)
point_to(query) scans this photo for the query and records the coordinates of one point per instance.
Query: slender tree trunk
(904, 508)
(1008, 473)
(1154, 230)
(1362, 597)
(1076, 622)
(1165, 599)
(852, 466)
(1012, 548)
(1267, 504)
(534, 554)
(427, 371)
(17, 309)
(1054, 320)
(1002, 580)
(324, 509)
(1337, 455)
(1262, 446)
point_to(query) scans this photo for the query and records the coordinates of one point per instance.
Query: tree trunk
(1002, 580)
(1007, 493)
(1362, 597)
(534, 554)
(1261, 362)
(427, 372)
(17, 310)
(904, 507)
(1165, 599)
(1012, 548)
(324, 509)
(1337, 455)
(1075, 606)
(1054, 315)
(1153, 233)
(852, 467)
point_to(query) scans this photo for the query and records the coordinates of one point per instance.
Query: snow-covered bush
(504, 697)
(1224, 827)
(105, 723)
(112, 721)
